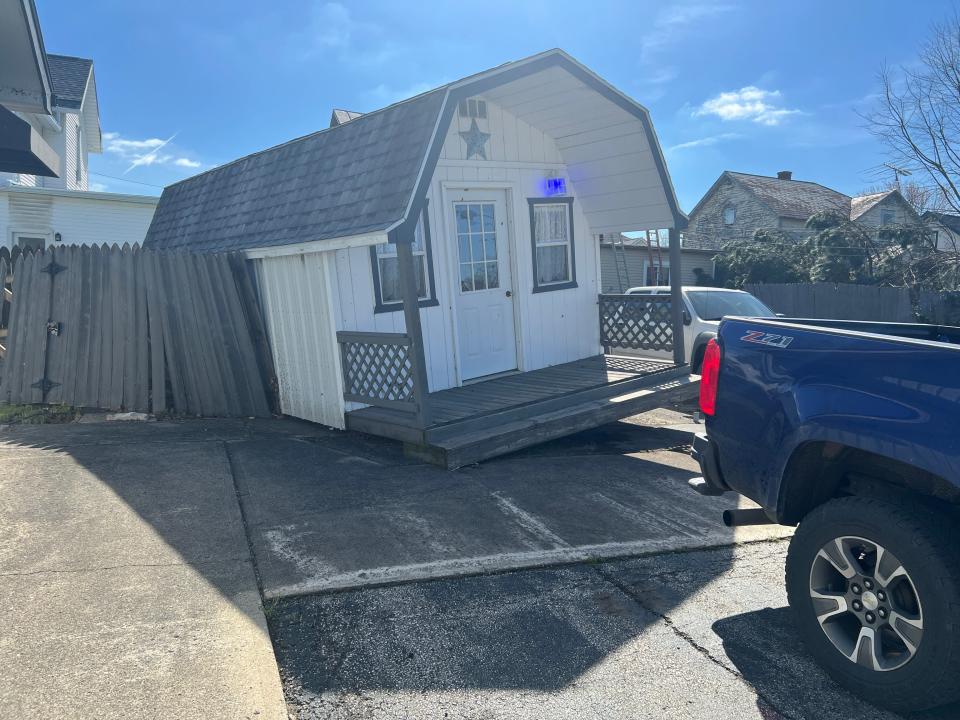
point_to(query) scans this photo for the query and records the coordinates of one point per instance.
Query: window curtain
(552, 238)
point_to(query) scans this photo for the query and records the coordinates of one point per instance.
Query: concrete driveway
(126, 583)
(346, 511)
(579, 578)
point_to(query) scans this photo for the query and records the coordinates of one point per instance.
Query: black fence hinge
(53, 268)
(45, 385)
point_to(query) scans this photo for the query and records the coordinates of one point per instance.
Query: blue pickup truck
(850, 431)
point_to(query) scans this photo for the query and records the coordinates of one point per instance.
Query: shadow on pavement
(165, 493)
(766, 649)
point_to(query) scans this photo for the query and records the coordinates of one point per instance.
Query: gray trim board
(572, 282)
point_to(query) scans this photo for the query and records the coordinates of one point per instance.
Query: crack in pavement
(687, 638)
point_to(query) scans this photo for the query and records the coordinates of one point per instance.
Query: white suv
(703, 307)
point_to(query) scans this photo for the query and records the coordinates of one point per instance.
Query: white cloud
(122, 146)
(748, 103)
(146, 152)
(332, 26)
(97, 187)
(704, 141)
(672, 23)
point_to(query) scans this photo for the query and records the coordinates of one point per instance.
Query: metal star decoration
(475, 141)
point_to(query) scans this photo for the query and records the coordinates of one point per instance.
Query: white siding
(296, 294)
(552, 327)
(80, 220)
(639, 260)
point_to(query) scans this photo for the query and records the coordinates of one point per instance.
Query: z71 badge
(762, 338)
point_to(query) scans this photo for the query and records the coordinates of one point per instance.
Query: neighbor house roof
(68, 77)
(339, 117)
(796, 199)
(950, 222)
(863, 203)
(366, 176)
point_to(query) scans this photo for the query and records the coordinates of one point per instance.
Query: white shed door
(485, 324)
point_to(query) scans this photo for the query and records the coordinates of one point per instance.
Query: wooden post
(676, 297)
(411, 316)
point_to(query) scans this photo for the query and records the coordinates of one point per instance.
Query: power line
(135, 182)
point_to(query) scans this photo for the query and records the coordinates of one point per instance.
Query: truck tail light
(709, 372)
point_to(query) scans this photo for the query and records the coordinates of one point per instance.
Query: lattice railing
(378, 369)
(636, 322)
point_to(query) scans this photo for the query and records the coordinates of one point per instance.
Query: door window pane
(477, 245)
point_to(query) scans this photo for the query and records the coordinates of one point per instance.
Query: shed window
(386, 271)
(551, 233)
(729, 215)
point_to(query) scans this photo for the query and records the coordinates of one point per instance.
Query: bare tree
(918, 116)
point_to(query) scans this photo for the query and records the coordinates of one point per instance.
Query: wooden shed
(431, 271)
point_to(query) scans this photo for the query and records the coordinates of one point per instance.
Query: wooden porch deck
(510, 412)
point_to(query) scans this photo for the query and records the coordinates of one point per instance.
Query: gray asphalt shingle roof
(346, 180)
(68, 78)
(793, 198)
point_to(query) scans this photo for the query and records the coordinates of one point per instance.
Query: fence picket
(138, 330)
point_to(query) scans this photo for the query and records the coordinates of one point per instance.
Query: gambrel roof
(370, 174)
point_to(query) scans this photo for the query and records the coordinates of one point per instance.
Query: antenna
(897, 172)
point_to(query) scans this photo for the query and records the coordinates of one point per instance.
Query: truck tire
(875, 591)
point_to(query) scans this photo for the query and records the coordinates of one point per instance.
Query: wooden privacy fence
(130, 329)
(837, 301)
(636, 322)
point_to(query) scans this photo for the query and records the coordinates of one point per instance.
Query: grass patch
(36, 414)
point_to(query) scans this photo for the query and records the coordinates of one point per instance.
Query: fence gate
(130, 329)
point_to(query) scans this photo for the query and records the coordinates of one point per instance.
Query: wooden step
(521, 412)
(458, 449)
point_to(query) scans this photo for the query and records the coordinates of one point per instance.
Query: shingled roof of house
(68, 77)
(797, 199)
(348, 179)
(363, 177)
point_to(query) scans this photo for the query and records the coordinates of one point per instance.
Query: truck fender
(699, 345)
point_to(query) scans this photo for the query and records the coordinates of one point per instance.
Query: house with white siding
(45, 199)
(430, 271)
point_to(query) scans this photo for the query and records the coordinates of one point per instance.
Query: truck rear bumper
(705, 453)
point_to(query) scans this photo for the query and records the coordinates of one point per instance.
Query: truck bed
(888, 389)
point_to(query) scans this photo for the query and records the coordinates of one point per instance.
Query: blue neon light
(556, 186)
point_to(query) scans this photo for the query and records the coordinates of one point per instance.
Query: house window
(551, 234)
(30, 242)
(386, 271)
(887, 217)
(729, 215)
(77, 158)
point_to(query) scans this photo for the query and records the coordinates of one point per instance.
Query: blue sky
(740, 85)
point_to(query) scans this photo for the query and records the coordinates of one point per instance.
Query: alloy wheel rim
(866, 603)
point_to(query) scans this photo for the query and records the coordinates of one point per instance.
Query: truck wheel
(875, 589)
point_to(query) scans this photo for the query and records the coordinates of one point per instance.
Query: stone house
(739, 204)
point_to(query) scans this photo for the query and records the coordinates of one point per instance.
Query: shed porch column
(411, 316)
(676, 296)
